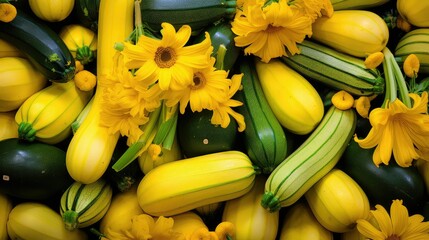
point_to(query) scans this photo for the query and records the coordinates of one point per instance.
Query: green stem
(220, 57)
(135, 149)
(167, 126)
(390, 90)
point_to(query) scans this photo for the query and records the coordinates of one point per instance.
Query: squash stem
(82, 115)
(70, 219)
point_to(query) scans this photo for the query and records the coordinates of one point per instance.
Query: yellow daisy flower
(399, 129)
(209, 87)
(223, 111)
(264, 31)
(398, 226)
(167, 61)
(314, 8)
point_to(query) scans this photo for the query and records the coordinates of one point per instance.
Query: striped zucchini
(195, 13)
(356, 4)
(335, 69)
(316, 156)
(414, 42)
(183, 185)
(264, 138)
(85, 204)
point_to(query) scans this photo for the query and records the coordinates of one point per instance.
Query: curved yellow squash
(91, 148)
(182, 185)
(355, 32)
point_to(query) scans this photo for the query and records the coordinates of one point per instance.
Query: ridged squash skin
(415, 42)
(6, 206)
(251, 220)
(81, 41)
(356, 4)
(36, 221)
(299, 223)
(91, 148)
(294, 101)
(123, 207)
(19, 79)
(186, 184)
(337, 201)
(414, 12)
(355, 32)
(9, 50)
(8, 126)
(48, 114)
(52, 10)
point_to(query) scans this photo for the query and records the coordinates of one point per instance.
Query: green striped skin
(41, 45)
(264, 137)
(317, 155)
(197, 14)
(85, 204)
(356, 4)
(414, 42)
(336, 70)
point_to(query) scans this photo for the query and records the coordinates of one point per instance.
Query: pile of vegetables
(168, 119)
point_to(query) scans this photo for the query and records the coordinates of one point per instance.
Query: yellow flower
(266, 31)
(167, 61)
(209, 87)
(362, 105)
(314, 8)
(342, 100)
(85, 80)
(411, 65)
(399, 129)
(223, 111)
(398, 226)
(7, 12)
(374, 60)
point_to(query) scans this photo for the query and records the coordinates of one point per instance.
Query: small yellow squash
(81, 41)
(8, 50)
(414, 12)
(51, 10)
(355, 32)
(338, 201)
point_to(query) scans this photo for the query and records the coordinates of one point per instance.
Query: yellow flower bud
(342, 100)
(154, 151)
(78, 66)
(411, 65)
(374, 60)
(85, 80)
(7, 12)
(362, 105)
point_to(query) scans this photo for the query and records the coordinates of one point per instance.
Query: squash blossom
(85, 80)
(268, 29)
(374, 60)
(7, 12)
(342, 100)
(398, 226)
(411, 66)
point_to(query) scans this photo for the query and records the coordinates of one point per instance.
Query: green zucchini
(41, 45)
(32, 171)
(86, 12)
(195, 13)
(396, 182)
(264, 138)
(83, 205)
(335, 69)
(316, 156)
(196, 135)
(356, 4)
(414, 42)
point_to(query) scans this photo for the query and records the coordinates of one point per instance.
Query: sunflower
(209, 87)
(167, 61)
(265, 30)
(397, 226)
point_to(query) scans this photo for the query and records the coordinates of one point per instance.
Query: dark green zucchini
(32, 171)
(41, 45)
(221, 34)
(197, 135)
(197, 14)
(385, 183)
(86, 12)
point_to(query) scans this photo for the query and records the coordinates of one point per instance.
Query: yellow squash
(338, 201)
(186, 184)
(414, 12)
(294, 101)
(355, 32)
(8, 50)
(91, 148)
(356, 4)
(8, 126)
(299, 223)
(51, 10)
(48, 114)
(5, 206)
(188, 223)
(37, 221)
(19, 79)
(81, 41)
(251, 220)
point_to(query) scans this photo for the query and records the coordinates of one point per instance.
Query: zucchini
(414, 42)
(356, 4)
(316, 156)
(180, 186)
(32, 171)
(195, 13)
(85, 204)
(335, 69)
(86, 12)
(397, 182)
(264, 138)
(41, 45)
